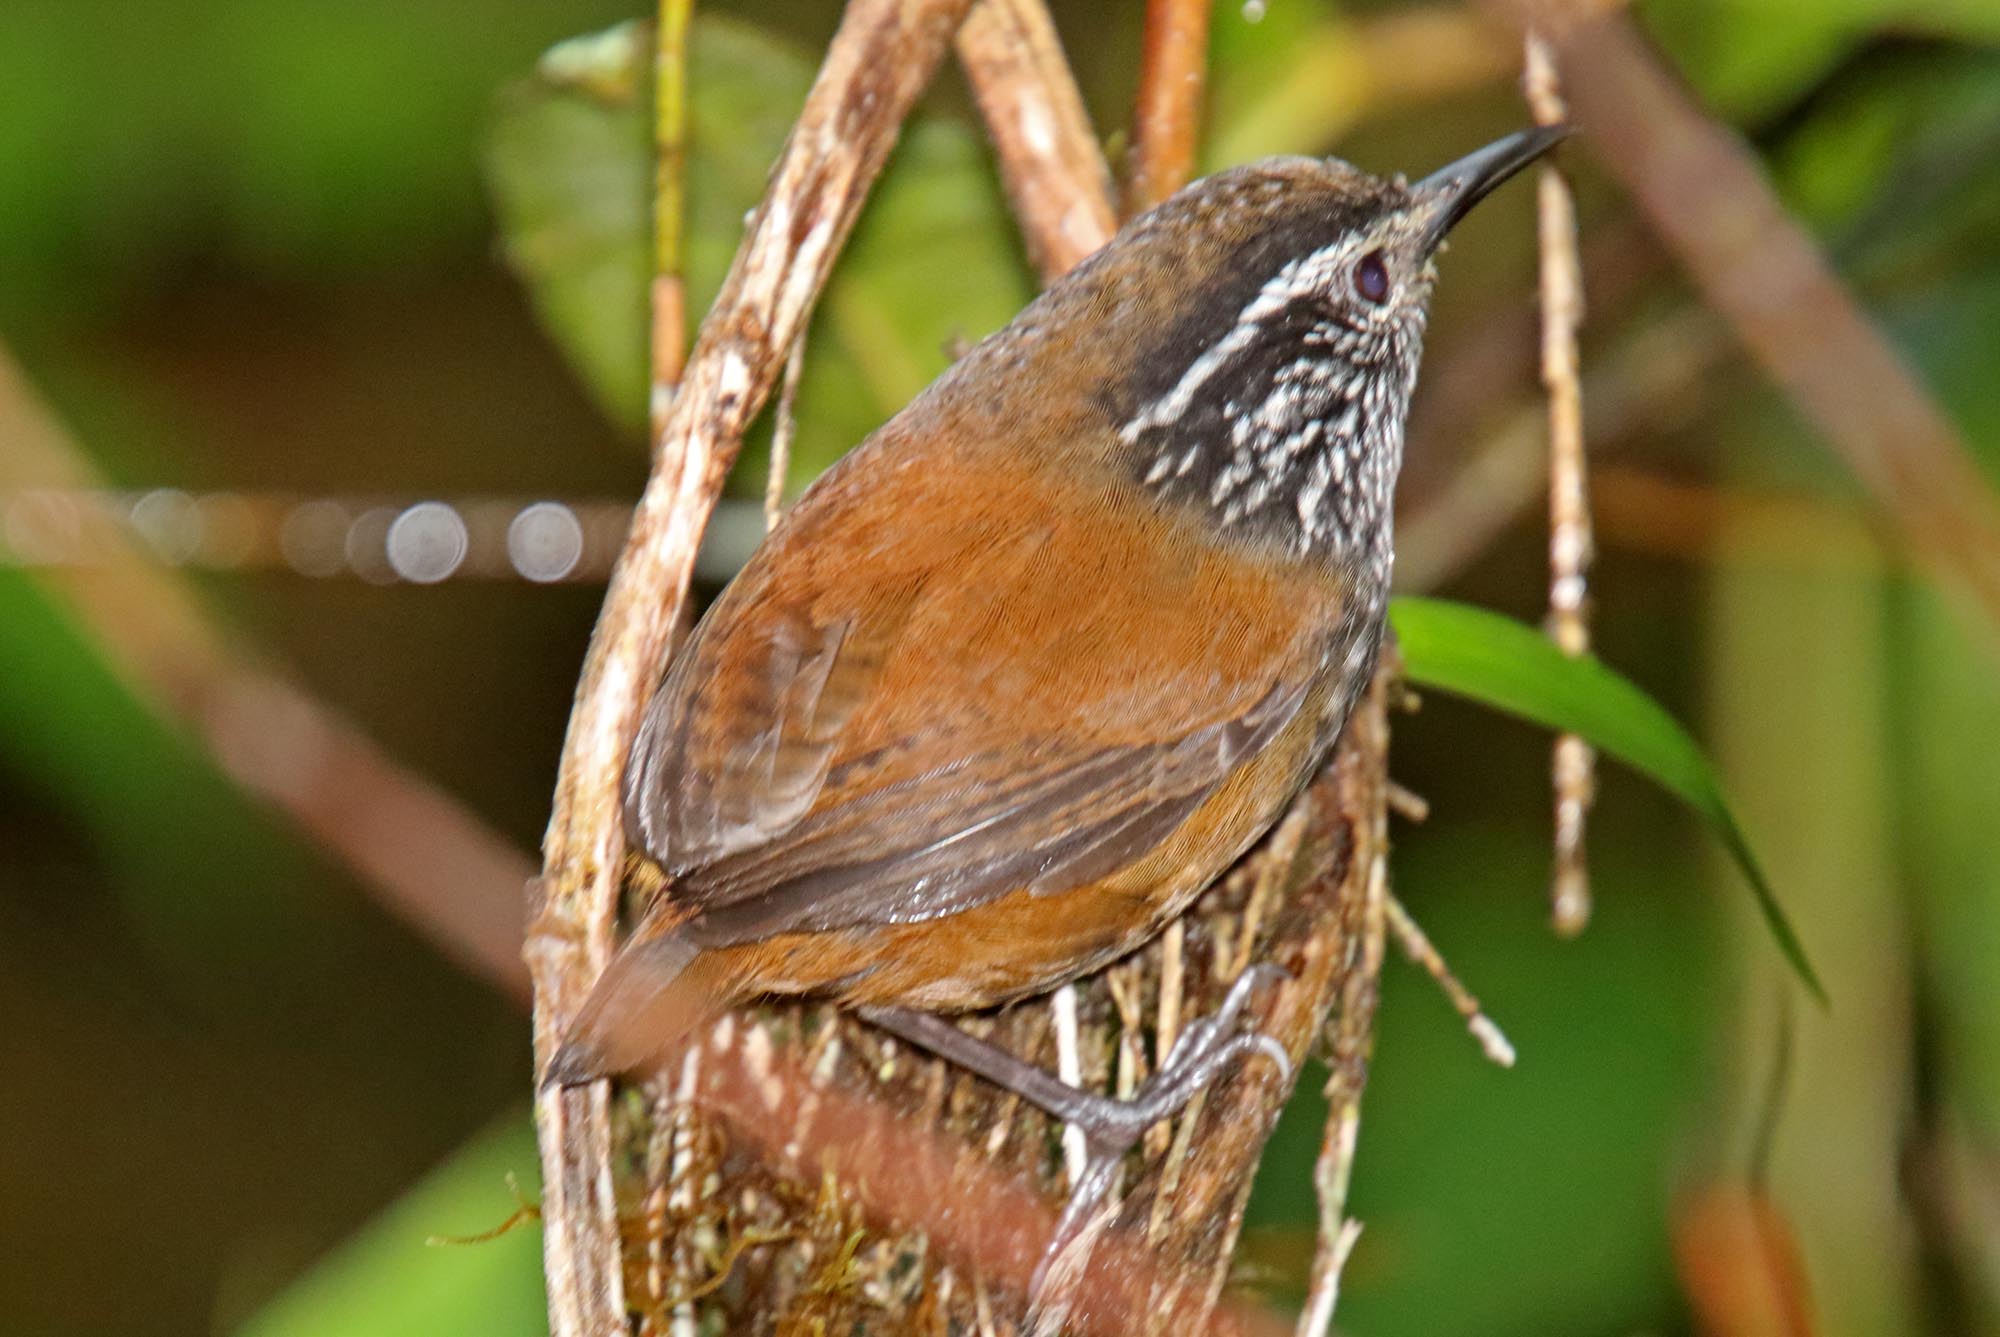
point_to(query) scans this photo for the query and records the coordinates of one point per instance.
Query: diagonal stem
(1054, 171)
(879, 60)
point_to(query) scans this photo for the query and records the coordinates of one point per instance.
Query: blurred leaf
(570, 168)
(932, 259)
(1512, 667)
(387, 1281)
(1750, 59)
(1945, 783)
(1296, 78)
(1893, 163)
(71, 728)
(1471, 1177)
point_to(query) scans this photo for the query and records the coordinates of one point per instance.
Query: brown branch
(1049, 158)
(1696, 522)
(1762, 272)
(879, 61)
(1166, 117)
(432, 862)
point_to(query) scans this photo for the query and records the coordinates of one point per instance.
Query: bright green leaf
(1501, 663)
(398, 1278)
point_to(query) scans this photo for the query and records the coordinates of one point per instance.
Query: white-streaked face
(1288, 421)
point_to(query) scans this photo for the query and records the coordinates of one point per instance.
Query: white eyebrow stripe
(1306, 274)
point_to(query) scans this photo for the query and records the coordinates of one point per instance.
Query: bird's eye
(1371, 278)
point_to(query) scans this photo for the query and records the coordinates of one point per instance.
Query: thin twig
(1408, 803)
(784, 427)
(1069, 1067)
(879, 60)
(1762, 272)
(1167, 1019)
(1628, 388)
(1416, 944)
(1049, 157)
(1569, 503)
(1166, 119)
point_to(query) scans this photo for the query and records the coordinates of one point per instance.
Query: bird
(1036, 662)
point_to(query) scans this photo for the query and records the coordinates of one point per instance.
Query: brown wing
(886, 719)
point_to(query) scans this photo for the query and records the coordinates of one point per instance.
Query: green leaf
(1504, 664)
(389, 1282)
(932, 260)
(569, 165)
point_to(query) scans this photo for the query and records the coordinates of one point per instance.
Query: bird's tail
(648, 999)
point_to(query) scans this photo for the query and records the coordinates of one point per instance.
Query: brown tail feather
(649, 998)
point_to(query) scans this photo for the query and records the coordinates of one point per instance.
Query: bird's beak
(1449, 193)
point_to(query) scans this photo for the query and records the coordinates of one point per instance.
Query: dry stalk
(1645, 376)
(1569, 500)
(880, 59)
(1417, 945)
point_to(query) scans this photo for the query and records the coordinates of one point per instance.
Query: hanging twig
(1166, 119)
(1417, 945)
(1756, 267)
(880, 59)
(1569, 505)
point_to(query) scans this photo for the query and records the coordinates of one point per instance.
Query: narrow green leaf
(1502, 663)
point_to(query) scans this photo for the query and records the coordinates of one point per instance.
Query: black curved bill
(1469, 180)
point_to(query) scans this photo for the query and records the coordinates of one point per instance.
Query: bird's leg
(1110, 1125)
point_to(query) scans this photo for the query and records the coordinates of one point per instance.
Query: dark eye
(1371, 278)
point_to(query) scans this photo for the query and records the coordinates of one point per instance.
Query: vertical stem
(669, 203)
(1166, 119)
(1569, 507)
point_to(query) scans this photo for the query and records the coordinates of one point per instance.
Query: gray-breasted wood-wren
(1042, 657)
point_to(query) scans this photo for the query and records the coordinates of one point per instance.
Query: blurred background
(361, 255)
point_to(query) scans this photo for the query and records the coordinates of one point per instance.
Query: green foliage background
(256, 245)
